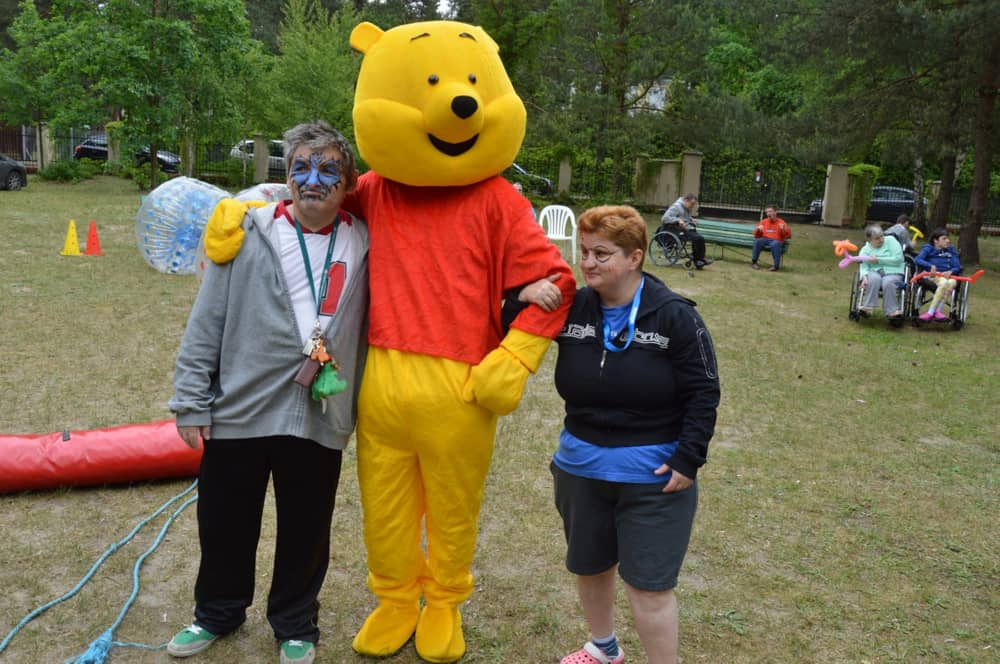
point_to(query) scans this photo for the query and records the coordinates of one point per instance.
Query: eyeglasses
(599, 255)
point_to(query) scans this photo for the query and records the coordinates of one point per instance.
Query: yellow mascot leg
(391, 487)
(423, 455)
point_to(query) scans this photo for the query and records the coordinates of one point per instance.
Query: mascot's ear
(364, 35)
(482, 36)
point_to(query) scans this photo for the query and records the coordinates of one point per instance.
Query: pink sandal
(591, 654)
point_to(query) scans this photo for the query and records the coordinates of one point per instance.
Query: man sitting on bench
(678, 219)
(771, 233)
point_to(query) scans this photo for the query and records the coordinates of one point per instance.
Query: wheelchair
(905, 298)
(921, 293)
(669, 248)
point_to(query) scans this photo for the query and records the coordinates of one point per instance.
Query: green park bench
(724, 234)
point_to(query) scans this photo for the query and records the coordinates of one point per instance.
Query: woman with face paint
(637, 370)
(267, 377)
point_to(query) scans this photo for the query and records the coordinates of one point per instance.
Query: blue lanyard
(632, 314)
(324, 283)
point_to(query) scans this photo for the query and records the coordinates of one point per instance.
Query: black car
(96, 147)
(886, 204)
(13, 174)
(538, 184)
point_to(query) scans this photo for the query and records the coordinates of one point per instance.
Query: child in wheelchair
(940, 259)
(883, 270)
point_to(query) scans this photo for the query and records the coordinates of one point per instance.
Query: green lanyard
(325, 282)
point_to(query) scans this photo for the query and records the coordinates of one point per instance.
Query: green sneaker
(294, 651)
(190, 641)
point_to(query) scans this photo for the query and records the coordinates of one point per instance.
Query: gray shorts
(637, 526)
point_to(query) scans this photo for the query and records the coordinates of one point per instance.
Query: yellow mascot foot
(387, 629)
(439, 634)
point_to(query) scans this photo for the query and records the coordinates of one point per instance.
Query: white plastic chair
(559, 223)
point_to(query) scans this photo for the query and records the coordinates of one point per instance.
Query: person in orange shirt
(771, 233)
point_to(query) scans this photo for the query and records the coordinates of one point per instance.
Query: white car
(275, 158)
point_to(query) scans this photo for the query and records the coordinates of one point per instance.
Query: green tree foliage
(38, 84)
(916, 78)
(314, 74)
(606, 66)
(519, 28)
(169, 67)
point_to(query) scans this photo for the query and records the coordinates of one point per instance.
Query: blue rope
(100, 643)
(98, 650)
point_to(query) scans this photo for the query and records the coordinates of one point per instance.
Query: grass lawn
(849, 509)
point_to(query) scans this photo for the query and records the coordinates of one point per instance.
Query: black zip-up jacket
(664, 387)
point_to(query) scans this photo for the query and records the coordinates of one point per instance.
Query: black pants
(691, 236)
(697, 244)
(232, 485)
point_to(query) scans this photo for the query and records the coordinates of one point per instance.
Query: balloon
(171, 221)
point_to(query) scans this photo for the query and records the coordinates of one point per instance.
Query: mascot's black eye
(472, 78)
(433, 79)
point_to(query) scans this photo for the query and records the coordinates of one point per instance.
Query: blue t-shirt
(634, 465)
(616, 318)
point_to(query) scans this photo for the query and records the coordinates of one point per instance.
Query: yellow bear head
(434, 105)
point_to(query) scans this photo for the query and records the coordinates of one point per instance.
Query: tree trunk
(942, 203)
(919, 213)
(986, 100)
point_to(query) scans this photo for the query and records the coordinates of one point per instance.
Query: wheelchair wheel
(665, 249)
(854, 310)
(906, 295)
(960, 305)
(920, 294)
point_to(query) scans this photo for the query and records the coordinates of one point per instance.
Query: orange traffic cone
(93, 244)
(72, 245)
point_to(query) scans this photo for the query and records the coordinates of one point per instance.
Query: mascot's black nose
(464, 106)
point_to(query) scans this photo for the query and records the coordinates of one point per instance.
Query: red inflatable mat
(121, 454)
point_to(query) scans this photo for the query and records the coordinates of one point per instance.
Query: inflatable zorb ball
(171, 221)
(269, 192)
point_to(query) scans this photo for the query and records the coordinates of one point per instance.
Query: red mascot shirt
(441, 259)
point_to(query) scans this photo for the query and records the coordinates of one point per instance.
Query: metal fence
(958, 211)
(18, 143)
(608, 180)
(739, 188)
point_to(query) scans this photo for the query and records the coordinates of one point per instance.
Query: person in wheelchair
(901, 231)
(677, 219)
(884, 269)
(940, 259)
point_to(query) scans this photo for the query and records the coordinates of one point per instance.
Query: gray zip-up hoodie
(241, 348)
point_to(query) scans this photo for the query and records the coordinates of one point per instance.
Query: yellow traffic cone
(72, 245)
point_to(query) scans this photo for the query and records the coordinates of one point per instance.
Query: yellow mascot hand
(224, 231)
(497, 382)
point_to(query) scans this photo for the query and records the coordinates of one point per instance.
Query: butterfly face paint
(317, 176)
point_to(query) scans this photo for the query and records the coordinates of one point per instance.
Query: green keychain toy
(327, 383)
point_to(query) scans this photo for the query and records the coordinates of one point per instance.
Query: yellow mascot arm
(497, 382)
(224, 231)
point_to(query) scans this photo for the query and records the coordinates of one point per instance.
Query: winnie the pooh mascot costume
(437, 119)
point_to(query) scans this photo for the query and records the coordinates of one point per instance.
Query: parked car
(96, 147)
(169, 162)
(275, 156)
(886, 204)
(538, 184)
(13, 174)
